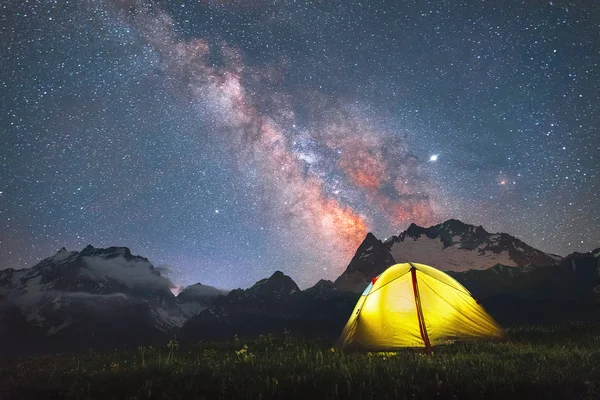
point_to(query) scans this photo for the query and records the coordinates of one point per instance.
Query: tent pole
(422, 327)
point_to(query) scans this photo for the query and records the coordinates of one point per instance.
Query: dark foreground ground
(534, 362)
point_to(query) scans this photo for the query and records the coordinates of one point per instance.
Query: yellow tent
(414, 305)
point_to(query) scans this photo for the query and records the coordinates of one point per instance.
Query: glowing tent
(414, 305)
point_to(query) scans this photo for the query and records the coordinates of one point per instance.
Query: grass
(534, 362)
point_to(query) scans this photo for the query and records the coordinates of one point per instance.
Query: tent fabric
(388, 316)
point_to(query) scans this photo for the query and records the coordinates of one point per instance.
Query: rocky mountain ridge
(109, 298)
(273, 305)
(530, 294)
(450, 246)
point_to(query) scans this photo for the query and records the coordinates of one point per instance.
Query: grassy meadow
(533, 362)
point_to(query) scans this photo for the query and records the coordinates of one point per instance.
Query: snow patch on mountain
(450, 246)
(31, 298)
(192, 308)
(61, 255)
(168, 318)
(432, 252)
(134, 273)
(78, 288)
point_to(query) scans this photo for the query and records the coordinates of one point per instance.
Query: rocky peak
(578, 260)
(322, 284)
(61, 256)
(194, 299)
(370, 240)
(321, 289)
(110, 252)
(199, 292)
(588, 255)
(372, 257)
(453, 226)
(414, 230)
(278, 284)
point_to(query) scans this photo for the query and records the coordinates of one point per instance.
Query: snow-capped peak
(61, 256)
(454, 245)
(73, 286)
(451, 246)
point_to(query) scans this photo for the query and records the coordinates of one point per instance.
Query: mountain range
(451, 246)
(95, 297)
(107, 298)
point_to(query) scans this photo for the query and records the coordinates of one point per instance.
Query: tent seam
(447, 284)
(385, 284)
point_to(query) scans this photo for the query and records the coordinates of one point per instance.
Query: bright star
(433, 157)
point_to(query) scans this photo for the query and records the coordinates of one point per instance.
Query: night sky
(228, 139)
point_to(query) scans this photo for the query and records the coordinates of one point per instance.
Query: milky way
(226, 140)
(262, 143)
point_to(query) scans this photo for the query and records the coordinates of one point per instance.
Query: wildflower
(332, 350)
(173, 345)
(244, 355)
